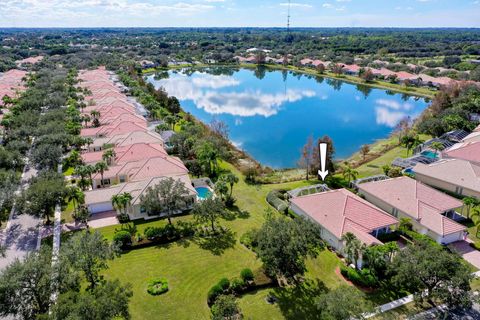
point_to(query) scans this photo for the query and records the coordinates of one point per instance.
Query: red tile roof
(341, 211)
(418, 201)
(465, 150)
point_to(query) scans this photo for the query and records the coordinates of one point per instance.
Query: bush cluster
(225, 286)
(123, 238)
(362, 277)
(275, 199)
(157, 286)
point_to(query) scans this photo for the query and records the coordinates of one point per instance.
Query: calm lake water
(270, 114)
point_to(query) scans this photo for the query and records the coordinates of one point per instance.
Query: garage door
(100, 207)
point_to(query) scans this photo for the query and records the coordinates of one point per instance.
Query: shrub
(226, 307)
(362, 277)
(123, 238)
(237, 285)
(213, 293)
(224, 283)
(274, 198)
(157, 286)
(152, 233)
(123, 218)
(246, 274)
(248, 239)
(230, 202)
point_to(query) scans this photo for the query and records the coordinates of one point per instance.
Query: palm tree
(74, 159)
(82, 172)
(437, 146)
(122, 201)
(230, 179)
(364, 150)
(101, 167)
(470, 202)
(90, 169)
(353, 247)
(76, 195)
(349, 173)
(86, 119)
(95, 118)
(476, 219)
(170, 120)
(207, 155)
(109, 155)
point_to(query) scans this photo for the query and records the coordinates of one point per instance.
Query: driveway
(103, 219)
(468, 253)
(21, 233)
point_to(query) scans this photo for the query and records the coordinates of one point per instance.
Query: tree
(207, 155)
(46, 156)
(284, 244)
(90, 253)
(368, 75)
(108, 300)
(260, 57)
(437, 146)
(353, 248)
(82, 171)
(101, 167)
(75, 195)
(168, 197)
(321, 68)
(226, 307)
(171, 120)
(209, 211)
(432, 273)
(121, 202)
(470, 202)
(378, 257)
(364, 150)
(329, 162)
(410, 141)
(337, 68)
(74, 159)
(230, 179)
(349, 173)
(95, 118)
(221, 188)
(25, 285)
(109, 155)
(306, 159)
(343, 303)
(46, 191)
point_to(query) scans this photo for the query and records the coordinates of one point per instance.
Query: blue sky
(231, 13)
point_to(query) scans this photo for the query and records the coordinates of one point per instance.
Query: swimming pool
(429, 154)
(204, 192)
(409, 171)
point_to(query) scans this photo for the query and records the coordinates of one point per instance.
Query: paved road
(21, 234)
(445, 314)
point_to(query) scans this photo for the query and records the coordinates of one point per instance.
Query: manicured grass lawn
(67, 213)
(69, 171)
(192, 267)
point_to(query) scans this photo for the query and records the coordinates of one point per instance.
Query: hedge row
(236, 286)
(276, 199)
(362, 277)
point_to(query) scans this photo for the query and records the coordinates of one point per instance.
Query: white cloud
(395, 105)
(296, 5)
(388, 117)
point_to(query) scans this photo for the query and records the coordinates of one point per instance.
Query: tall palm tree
(101, 167)
(230, 179)
(353, 247)
(86, 119)
(349, 173)
(122, 201)
(476, 219)
(76, 195)
(437, 146)
(82, 172)
(470, 202)
(90, 169)
(109, 155)
(95, 118)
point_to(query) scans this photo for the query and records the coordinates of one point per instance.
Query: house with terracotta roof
(454, 175)
(469, 151)
(134, 152)
(306, 62)
(142, 169)
(100, 200)
(338, 212)
(428, 209)
(351, 69)
(118, 127)
(472, 137)
(127, 139)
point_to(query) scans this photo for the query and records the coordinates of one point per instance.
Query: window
(122, 179)
(395, 212)
(458, 190)
(106, 181)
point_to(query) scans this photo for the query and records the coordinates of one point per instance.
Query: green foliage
(123, 238)
(237, 285)
(225, 307)
(275, 199)
(213, 293)
(343, 303)
(361, 277)
(157, 286)
(246, 275)
(209, 211)
(224, 283)
(442, 274)
(284, 244)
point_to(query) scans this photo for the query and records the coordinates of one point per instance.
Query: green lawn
(67, 213)
(69, 171)
(193, 266)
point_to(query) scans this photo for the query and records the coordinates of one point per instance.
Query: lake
(270, 114)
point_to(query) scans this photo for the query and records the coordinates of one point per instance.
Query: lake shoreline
(380, 145)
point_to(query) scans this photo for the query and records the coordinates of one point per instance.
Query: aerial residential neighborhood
(235, 160)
